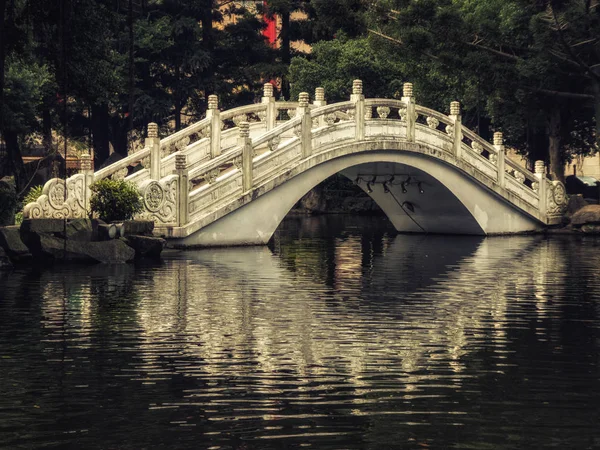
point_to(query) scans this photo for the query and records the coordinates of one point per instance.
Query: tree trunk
(47, 129)
(14, 159)
(100, 133)
(285, 52)
(208, 45)
(596, 89)
(2, 56)
(557, 168)
(131, 66)
(119, 135)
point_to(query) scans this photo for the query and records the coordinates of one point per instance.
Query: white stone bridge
(231, 178)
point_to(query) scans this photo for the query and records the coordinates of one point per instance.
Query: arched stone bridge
(231, 178)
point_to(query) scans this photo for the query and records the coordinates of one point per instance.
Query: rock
(5, 262)
(8, 201)
(576, 202)
(53, 248)
(591, 229)
(10, 241)
(138, 227)
(589, 214)
(78, 230)
(48, 226)
(146, 246)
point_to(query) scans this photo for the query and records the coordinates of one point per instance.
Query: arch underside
(451, 202)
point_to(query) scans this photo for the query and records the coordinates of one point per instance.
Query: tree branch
(562, 94)
(398, 42)
(582, 64)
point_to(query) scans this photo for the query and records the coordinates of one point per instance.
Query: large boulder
(46, 226)
(10, 241)
(146, 246)
(78, 230)
(588, 215)
(53, 248)
(576, 202)
(138, 227)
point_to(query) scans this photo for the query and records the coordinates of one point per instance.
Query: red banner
(270, 31)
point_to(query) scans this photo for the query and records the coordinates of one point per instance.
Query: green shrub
(114, 200)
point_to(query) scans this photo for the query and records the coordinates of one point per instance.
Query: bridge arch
(452, 201)
(226, 181)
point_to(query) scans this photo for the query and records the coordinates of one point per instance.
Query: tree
(520, 58)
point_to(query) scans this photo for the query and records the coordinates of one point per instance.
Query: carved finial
(319, 94)
(152, 130)
(180, 161)
(85, 161)
(357, 87)
(268, 90)
(407, 90)
(303, 99)
(540, 167)
(498, 138)
(244, 129)
(213, 102)
(455, 108)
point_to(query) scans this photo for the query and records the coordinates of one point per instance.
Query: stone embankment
(79, 240)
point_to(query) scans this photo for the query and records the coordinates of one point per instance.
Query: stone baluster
(85, 168)
(181, 170)
(269, 100)
(540, 174)
(306, 124)
(500, 163)
(320, 101)
(358, 99)
(457, 128)
(153, 142)
(245, 142)
(215, 125)
(411, 115)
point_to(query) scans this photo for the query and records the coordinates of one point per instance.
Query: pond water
(338, 335)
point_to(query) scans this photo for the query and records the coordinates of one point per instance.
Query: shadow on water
(340, 334)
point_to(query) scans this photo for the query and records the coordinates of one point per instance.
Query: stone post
(85, 167)
(411, 115)
(499, 146)
(540, 174)
(269, 100)
(153, 142)
(182, 189)
(245, 142)
(215, 125)
(358, 99)
(320, 101)
(457, 133)
(306, 124)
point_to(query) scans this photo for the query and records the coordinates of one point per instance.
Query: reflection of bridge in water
(232, 177)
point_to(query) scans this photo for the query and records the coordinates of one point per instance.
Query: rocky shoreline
(52, 241)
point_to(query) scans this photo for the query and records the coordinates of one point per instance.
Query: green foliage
(33, 194)
(114, 200)
(334, 64)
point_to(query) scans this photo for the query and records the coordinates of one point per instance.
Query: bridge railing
(199, 169)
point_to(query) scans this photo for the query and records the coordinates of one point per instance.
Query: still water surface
(339, 335)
